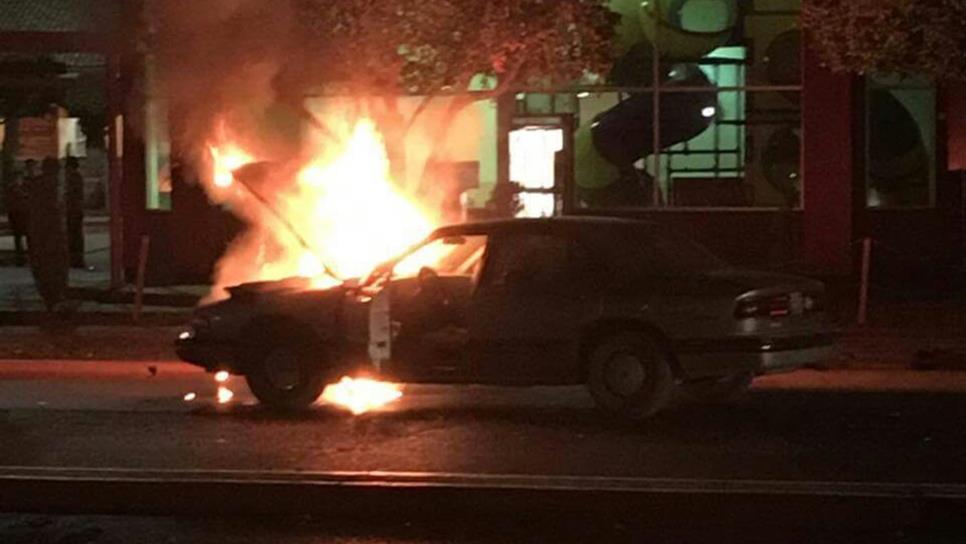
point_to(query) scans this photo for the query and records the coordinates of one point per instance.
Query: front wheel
(629, 375)
(287, 376)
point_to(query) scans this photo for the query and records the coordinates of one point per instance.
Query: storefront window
(157, 146)
(725, 95)
(900, 115)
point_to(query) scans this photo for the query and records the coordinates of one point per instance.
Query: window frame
(500, 240)
(748, 89)
(932, 158)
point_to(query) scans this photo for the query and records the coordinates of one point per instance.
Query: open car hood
(252, 290)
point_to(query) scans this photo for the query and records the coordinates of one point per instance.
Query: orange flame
(341, 203)
(225, 160)
(360, 395)
(336, 215)
(361, 217)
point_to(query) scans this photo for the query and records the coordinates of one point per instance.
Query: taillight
(779, 305)
(774, 306)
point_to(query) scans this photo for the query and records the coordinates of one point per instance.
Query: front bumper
(206, 354)
(699, 359)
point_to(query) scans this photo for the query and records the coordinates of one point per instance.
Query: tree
(425, 48)
(376, 51)
(904, 36)
(384, 50)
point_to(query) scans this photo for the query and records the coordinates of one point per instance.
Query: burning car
(623, 306)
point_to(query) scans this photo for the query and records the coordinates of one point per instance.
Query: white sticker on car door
(380, 328)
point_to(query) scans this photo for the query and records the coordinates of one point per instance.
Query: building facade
(737, 136)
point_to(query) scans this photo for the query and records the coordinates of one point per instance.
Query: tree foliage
(429, 47)
(904, 36)
(236, 59)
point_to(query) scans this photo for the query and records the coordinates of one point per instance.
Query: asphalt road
(810, 431)
(853, 426)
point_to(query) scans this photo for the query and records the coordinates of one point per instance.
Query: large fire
(361, 395)
(225, 160)
(335, 215)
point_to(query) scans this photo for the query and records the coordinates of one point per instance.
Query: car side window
(641, 252)
(526, 260)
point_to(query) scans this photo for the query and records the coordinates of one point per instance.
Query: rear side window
(540, 258)
(636, 252)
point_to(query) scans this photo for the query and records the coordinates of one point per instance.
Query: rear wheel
(723, 389)
(289, 375)
(629, 375)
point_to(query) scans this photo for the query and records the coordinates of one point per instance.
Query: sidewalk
(20, 304)
(884, 348)
(17, 290)
(90, 343)
(100, 218)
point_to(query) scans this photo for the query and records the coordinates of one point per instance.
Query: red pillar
(828, 166)
(115, 112)
(954, 106)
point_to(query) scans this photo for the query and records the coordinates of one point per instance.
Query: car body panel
(526, 322)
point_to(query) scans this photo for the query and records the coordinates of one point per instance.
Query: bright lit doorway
(538, 148)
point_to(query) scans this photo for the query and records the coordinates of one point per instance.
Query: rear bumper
(780, 361)
(699, 359)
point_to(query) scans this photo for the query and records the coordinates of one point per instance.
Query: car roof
(542, 224)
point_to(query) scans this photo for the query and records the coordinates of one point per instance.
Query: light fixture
(583, 94)
(708, 111)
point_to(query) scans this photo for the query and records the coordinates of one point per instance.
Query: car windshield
(447, 255)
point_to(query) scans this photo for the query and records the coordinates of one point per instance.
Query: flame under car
(626, 308)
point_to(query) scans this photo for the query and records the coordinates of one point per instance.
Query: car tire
(719, 390)
(629, 375)
(288, 375)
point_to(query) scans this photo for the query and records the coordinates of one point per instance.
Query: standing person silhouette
(46, 237)
(74, 202)
(18, 212)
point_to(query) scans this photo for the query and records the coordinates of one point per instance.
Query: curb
(95, 319)
(431, 495)
(25, 369)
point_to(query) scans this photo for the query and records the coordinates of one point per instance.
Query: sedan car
(624, 306)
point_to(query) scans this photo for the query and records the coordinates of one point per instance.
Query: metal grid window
(715, 123)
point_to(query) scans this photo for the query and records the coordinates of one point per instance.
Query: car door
(420, 318)
(526, 314)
